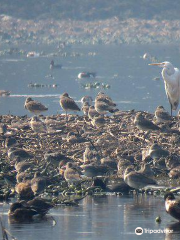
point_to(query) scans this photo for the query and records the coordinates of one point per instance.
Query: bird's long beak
(156, 64)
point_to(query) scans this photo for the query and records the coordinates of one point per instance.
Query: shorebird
(105, 98)
(10, 141)
(14, 152)
(22, 166)
(71, 174)
(68, 104)
(85, 108)
(34, 106)
(38, 183)
(87, 99)
(162, 115)
(102, 107)
(137, 180)
(171, 77)
(24, 190)
(92, 113)
(111, 163)
(117, 187)
(92, 171)
(3, 128)
(156, 152)
(172, 205)
(22, 177)
(172, 161)
(37, 125)
(146, 170)
(55, 158)
(175, 172)
(98, 121)
(91, 155)
(144, 124)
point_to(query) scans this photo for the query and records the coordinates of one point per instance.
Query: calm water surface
(122, 67)
(108, 217)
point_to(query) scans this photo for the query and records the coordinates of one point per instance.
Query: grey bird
(92, 113)
(37, 125)
(92, 171)
(137, 180)
(85, 108)
(38, 183)
(34, 107)
(146, 170)
(15, 152)
(156, 151)
(55, 158)
(91, 155)
(22, 166)
(87, 99)
(68, 104)
(98, 121)
(3, 128)
(144, 124)
(71, 174)
(105, 98)
(102, 107)
(162, 115)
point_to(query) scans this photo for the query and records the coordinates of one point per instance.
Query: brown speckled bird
(34, 107)
(68, 104)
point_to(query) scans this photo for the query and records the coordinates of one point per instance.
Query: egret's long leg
(171, 110)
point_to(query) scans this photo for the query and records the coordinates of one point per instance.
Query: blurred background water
(122, 67)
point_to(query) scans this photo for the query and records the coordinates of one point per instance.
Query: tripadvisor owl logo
(138, 231)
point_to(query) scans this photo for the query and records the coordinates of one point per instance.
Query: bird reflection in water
(172, 231)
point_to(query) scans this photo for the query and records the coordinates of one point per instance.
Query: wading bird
(171, 77)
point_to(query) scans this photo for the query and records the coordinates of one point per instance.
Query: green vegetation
(90, 10)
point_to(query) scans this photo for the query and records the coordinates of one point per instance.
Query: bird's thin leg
(66, 119)
(171, 110)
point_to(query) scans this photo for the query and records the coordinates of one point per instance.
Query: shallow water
(109, 217)
(122, 67)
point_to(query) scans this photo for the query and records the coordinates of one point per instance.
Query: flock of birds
(93, 167)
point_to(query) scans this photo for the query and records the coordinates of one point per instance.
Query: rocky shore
(110, 31)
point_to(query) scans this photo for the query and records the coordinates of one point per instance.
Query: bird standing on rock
(104, 104)
(34, 106)
(162, 115)
(68, 104)
(71, 174)
(137, 180)
(144, 124)
(171, 77)
(37, 125)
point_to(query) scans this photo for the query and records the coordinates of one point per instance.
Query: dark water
(99, 218)
(122, 67)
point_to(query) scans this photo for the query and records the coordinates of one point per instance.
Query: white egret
(171, 77)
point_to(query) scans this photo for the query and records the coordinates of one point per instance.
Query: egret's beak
(156, 64)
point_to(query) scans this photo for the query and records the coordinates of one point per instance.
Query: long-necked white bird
(171, 77)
